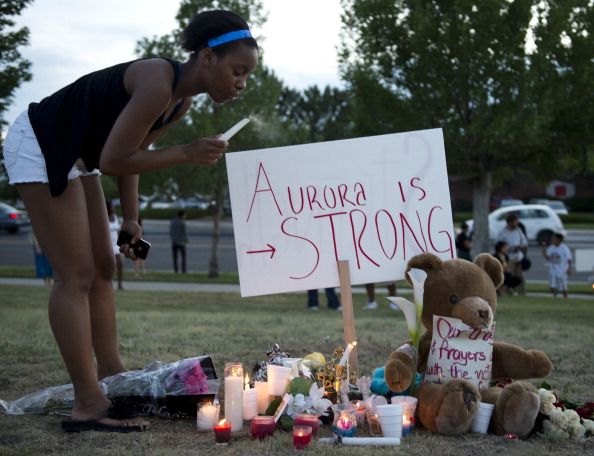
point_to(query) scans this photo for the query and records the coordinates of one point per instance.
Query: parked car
(510, 202)
(558, 206)
(161, 204)
(12, 219)
(539, 220)
(193, 202)
(498, 201)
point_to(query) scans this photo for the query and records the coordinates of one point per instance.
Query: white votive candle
(263, 398)
(207, 417)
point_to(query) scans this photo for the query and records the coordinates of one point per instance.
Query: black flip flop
(97, 425)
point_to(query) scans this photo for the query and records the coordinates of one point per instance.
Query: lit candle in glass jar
(359, 412)
(262, 427)
(222, 432)
(308, 419)
(234, 395)
(407, 424)
(301, 436)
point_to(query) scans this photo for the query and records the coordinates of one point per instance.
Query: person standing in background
(463, 243)
(559, 257)
(114, 231)
(515, 238)
(371, 303)
(179, 239)
(43, 268)
(313, 301)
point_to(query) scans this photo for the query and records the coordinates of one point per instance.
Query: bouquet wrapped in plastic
(164, 389)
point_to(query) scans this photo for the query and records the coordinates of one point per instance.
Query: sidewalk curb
(226, 287)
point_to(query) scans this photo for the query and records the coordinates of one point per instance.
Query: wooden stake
(348, 316)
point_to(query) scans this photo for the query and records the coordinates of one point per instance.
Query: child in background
(559, 258)
(510, 281)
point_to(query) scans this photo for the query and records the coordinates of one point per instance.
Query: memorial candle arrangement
(250, 400)
(234, 395)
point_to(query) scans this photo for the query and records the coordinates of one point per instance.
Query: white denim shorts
(23, 159)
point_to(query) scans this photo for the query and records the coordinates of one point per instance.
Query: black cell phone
(140, 249)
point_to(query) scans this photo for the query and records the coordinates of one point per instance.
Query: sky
(70, 38)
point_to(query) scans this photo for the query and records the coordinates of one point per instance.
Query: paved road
(16, 250)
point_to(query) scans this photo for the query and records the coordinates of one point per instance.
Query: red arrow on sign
(271, 250)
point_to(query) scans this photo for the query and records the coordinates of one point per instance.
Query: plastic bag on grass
(163, 389)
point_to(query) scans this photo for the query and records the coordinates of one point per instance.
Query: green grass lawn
(169, 326)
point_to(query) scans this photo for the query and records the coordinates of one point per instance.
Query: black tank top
(75, 122)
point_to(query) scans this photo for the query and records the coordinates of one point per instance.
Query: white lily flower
(413, 311)
(318, 403)
(418, 277)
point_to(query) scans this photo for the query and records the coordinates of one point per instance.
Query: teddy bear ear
(492, 267)
(425, 261)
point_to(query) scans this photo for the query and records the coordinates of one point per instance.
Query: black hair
(211, 24)
(558, 236)
(500, 246)
(511, 217)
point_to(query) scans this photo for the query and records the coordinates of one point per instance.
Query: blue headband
(228, 37)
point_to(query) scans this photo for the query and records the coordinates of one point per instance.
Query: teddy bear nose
(483, 313)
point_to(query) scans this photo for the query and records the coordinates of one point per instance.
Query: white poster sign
(459, 352)
(374, 201)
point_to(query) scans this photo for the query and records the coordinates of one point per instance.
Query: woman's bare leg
(102, 297)
(62, 228)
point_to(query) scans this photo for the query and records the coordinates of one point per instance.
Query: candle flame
(246, 382)
(222, 422)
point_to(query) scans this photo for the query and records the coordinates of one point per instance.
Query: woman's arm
(124, 152)
(128, 185)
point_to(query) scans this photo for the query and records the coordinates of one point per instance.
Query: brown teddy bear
(467, 291)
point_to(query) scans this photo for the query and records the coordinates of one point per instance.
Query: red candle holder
(308, 419)
(262, 427)
(301, 436)
(222, 432)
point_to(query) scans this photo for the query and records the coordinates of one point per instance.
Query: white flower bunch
(313, 403)
(562, 424)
